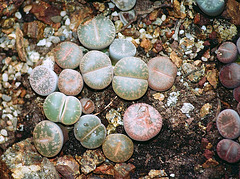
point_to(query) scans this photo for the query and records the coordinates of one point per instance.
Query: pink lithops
(70, 82)
(238, 108)
(87, 105)
(236, 94)
(162, 73)
(228, 150)
(227, 52)
(228, 123)
(43, 80)
(230, 75)
(142, 121)
(68, 55)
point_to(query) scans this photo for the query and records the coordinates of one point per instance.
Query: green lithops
(130, 78)
(48, 138)
(90, 131)
(58, 107)
(211, 8)
(97, 33)
(118, 147)
(96, 69)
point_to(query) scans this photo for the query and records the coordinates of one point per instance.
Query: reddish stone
(208, 154)
(204, 143)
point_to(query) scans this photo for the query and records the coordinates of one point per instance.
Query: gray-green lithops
(121, 48)
(90, 131)
(211, 8)
(97, 33)
(48, 138)
(118, 147)
(96, 69)
(43, 80)
(58, 107)
(130, 78)
(124, 5)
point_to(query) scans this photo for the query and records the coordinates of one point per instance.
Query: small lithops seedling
(68, 55)
(230, 75)
(142, 122)
(211, 8)
(48, 138)
(238, 45)
(227, 52)
(43, 80)
(70, 82)
(162, 73)
(97, 33)
(96, 69)
(118, 147)
(121, 48)
(88, 105)
(58, 107)
(236, 94)
(127, 16)
(228, 123)
(130, 80)
(228, 150)
(124, 5)
(90, 131)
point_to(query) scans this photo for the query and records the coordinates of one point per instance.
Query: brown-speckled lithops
(68, 55)
(70, 82)
(118, 147)
(48, 138)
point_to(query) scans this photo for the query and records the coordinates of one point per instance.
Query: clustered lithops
(130, 79)
(228, 124)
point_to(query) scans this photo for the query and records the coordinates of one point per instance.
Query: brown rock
(45, 12)
(105, 169)
(8, 7)
(20, 45)
(176, 59)
(146, 44)
(210, 163)
(123, 170)
(34, 29)
(232, 11)
(212, 77)
(67, 166)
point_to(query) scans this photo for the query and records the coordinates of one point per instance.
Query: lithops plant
(118, 147)
(236, 94)
(227, 52)
(121, 48)
(228, 150)
(96, 69)
(58, 107)
(43, 80)
(90, 131)
(230, 75)
(130, 78)
(88, 105)
(228, 123)
(211, 8)
(238, 45)
(142, 122)
(124, 5)
(48, 138)
(97, 33)
(70, 82)
(162, 73)
(68, 55)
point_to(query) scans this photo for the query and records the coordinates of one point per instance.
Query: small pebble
(6, 98)
(67, 22)
(5, 77)
(2, 139)
(18, 15)
(4, 132)
(42, 42)
(63, 13)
